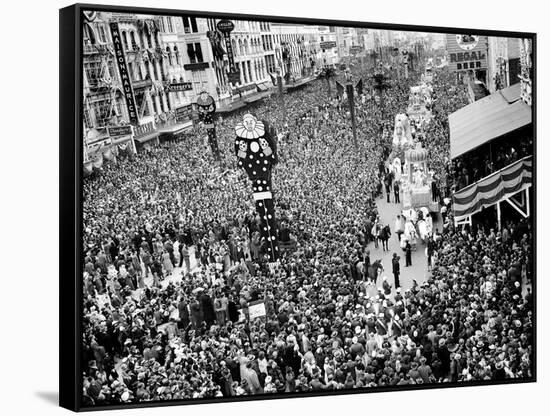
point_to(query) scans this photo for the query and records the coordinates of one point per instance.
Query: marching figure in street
(396, 269)
(257, 154)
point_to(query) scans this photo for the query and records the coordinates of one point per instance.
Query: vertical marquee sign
(124, 75)
(226, 27)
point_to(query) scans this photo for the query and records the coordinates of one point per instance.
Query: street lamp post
(351, 102)
(207, 107)
(328, 73)
(281, 92)
(380, 85)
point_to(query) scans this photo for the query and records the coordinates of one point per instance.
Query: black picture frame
(70, 185)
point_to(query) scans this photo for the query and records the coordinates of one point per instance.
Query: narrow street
(418, 271)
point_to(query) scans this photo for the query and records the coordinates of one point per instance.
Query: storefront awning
(145, 138)
(487, 119)
(176, 127)
(258, 96)
(512, 93)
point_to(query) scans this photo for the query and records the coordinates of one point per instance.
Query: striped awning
(493, 188)
(486, 119)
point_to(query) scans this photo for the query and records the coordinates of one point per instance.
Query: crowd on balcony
(484, 161)
(173, 263)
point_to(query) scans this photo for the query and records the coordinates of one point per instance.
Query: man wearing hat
(381, 329)
(386, 286)
(396, 269)
(396, 326)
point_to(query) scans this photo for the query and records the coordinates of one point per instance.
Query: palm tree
(328, 73)
(380, 84)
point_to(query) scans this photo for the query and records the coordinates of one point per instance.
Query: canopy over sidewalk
(487, 119)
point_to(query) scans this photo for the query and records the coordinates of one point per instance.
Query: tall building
(296, 49)
(503, 63)
(144, 87)
(327, 35)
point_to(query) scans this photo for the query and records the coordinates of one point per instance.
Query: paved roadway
(418, 271)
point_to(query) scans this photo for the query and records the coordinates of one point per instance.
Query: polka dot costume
(256, 154)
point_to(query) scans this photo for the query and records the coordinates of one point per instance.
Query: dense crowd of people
(447, 97)
(489, 158)
(331, 320)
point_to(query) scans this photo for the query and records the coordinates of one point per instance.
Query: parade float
(416, 180)
(427, 76)
(408, 163)
(420, 102)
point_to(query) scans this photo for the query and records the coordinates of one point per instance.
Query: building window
(125, 40)
(161, 66)
(155, 69)
(101, 111)
(102, 35)
(194, 51)
(93, 73)
(141, 104)
(178, 56)
(190, 24)
(147, 70)
(169, 53)
(200, 82)
(133, 40)
(170, 27)
(193, 21)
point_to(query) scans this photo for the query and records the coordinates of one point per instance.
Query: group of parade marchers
(256, 152)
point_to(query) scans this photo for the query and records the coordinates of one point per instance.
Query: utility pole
(351, 102)
(281, 92)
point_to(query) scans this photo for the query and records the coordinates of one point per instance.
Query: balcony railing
(88, 48)
(144, 129)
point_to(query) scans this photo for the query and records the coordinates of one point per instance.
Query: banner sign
(327, 45)
(178, 86)
(124, 74)
(119, 131)
(198, 66)
(467, 52)
(94, 146)
(256, 310)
